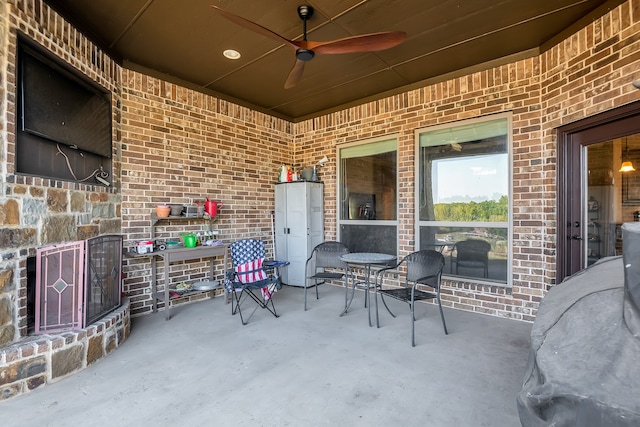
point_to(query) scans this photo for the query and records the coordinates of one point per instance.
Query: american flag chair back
(249, 276)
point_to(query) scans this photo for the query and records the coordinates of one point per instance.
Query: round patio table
(366, 260)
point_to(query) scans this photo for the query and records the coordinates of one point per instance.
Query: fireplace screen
(77, 283)
(103, 276)
(59, 271)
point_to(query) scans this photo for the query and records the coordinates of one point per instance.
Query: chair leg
(315, 285)
(237, 308)
(235, 301)
(305, 295)
(260, 303)
(347, 301)
(377, 317)
(386, 306)
(244, 322)
(444, 324)
(368, 297)
(413, 319)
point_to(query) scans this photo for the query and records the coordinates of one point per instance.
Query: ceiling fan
(306, 50)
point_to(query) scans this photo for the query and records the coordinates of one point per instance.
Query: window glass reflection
(482, 261)
(463, 197)
(368, 196)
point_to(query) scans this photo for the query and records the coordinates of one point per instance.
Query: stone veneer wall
(43, 359)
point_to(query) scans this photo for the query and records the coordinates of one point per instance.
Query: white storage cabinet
(299, 226)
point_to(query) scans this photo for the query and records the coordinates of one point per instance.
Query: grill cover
(583, 367)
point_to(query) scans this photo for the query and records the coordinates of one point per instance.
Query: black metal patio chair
(423, 268)
(326, 264)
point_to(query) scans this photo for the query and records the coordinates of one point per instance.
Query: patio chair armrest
(381, 272)
(309, 259)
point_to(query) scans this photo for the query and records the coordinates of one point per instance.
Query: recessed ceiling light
(231, 54)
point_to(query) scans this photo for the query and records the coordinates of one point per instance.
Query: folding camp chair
(249, 278)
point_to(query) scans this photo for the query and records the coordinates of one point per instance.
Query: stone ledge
(42, 359)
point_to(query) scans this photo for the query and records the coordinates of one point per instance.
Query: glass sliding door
(595, 194)
(612, 195)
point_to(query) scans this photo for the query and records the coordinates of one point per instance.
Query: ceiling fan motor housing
(304, 54)
(305, 12)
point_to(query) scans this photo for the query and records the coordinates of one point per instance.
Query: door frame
(572, 138)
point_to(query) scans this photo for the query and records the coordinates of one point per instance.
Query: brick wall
(589, 72)
(179, 146)
(511, 88)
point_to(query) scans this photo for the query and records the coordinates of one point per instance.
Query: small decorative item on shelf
(163, 211)
(176, 210)
(144, 247)
(211, 207)
(194, 211)
(283, 173)
(190, 240)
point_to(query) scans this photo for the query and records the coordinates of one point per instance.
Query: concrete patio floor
(313, 368)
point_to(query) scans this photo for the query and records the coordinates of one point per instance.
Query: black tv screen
(63, 108)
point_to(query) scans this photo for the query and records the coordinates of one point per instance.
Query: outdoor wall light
(321, 163)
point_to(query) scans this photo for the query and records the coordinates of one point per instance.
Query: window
(463, 176)
(367, 197)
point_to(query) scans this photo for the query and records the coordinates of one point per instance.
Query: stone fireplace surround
(38, 360)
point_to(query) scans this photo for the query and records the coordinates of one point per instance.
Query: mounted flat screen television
(64, 120)
(62, 108)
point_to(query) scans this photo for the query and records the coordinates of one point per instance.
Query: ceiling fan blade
(295, 74)
(252, 26)
(364, 43)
